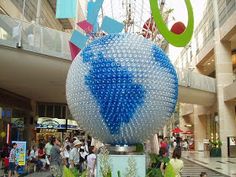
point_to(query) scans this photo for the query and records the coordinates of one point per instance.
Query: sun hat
(77, 142)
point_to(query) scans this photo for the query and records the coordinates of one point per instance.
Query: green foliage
(216, 143)
(73, 172)
(83, 174)
(67, 172)
(169, 171)
(154, 172)
(139, 147)
(156, 160)
(118, 173)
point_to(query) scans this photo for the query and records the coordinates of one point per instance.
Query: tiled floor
(226, 166)
(192, 169)
(40, 174)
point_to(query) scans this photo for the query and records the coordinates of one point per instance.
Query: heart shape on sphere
(122, 88)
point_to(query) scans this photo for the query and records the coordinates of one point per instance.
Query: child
(12, 161)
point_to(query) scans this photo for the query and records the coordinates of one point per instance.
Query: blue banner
(111, 26)
(66, 9)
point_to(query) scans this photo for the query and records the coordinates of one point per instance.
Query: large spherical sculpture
(122, 88)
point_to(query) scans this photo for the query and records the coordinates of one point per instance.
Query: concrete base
(121, 163)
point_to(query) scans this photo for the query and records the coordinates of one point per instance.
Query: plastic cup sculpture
(121, 88)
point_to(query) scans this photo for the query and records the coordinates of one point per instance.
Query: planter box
(215, 152)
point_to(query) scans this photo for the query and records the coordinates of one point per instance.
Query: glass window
(64, 112)
(49, 111)
(57, 111)
(41, 110)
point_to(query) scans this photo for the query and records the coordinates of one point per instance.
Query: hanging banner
(20, 152)
(66, 9)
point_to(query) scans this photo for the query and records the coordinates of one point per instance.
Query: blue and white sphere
(122, 88)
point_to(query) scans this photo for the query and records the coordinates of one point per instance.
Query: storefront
(15, 114)
(60, 128)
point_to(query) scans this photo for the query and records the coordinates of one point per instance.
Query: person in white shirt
(32, 155)
(91, 162)
(185, 145)
(48, 148)
(66, 155)
(74, 155)
(176, 162)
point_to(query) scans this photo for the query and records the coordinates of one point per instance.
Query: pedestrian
(67, 142)
(56, 160)
(160, 162)
(174, 144)
(203, 174)
(48, 147)
(74, 155)
(176, 162)
(65, 155)
(91, 162)
(32, 157)
(42, 156)
(12, 161)
(185, 145)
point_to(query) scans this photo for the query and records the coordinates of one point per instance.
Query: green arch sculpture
(178, 40)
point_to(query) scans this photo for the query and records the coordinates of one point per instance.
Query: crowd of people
(73, 153)
(79, 155)
(171, 148)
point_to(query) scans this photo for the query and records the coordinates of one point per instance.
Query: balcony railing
(195, 80)
(33, 37)
(42, 40)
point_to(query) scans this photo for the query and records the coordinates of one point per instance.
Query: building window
(41, 110)
(52, 110)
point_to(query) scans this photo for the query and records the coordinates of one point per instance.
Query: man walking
(56, 160)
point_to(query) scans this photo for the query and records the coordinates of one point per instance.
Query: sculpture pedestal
(121, 163)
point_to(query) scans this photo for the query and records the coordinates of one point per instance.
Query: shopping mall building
(34, 62)
(35, 59)
(212, 52)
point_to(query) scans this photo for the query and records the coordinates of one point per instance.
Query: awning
(188, 132)
(177, 130)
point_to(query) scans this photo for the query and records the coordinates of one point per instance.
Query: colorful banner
(111, 26)
(20, 152)
(66, 9)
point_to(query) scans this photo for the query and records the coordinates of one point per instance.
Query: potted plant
(215, 148)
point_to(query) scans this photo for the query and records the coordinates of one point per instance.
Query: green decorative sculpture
(178, 40)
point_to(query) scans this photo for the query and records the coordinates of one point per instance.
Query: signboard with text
(20, 152)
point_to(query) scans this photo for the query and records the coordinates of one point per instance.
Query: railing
(194, 80)
(33, 37)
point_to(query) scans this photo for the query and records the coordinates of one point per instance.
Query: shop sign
(20, 152)
(232, 141)
(54, 123)
(17, 122)
(72, 124)
(49, 123)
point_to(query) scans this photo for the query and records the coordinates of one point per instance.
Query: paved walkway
(40, 174)
(193, 170)
(225, 166)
